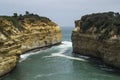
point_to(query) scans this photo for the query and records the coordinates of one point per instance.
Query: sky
(63, 12)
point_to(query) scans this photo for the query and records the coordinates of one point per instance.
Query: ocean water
(59, 63)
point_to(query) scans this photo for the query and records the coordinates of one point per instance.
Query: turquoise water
(58, 63)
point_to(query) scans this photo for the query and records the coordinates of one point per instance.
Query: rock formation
(98, 35)
(24, 32)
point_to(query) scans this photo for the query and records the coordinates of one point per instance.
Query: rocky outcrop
(21, 33)
(7, 63)
(98, 35)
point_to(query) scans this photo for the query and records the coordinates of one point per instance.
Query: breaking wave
(56, 51)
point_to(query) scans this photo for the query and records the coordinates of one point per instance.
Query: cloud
(64, 12)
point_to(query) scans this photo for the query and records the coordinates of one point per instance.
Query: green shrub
(108, 21)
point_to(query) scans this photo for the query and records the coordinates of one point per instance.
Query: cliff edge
(98, 35)
(24, 32)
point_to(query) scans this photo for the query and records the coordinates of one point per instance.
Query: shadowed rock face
(21, 33)
(98, 35)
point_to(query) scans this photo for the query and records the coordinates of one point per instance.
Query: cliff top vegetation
(107, 24)
(16, 19)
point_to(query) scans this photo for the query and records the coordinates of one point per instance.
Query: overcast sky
(63, 12)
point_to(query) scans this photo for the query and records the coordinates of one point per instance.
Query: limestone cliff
(98, 35)
(21, 33)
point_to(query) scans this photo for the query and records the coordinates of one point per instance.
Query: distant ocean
(58, 63)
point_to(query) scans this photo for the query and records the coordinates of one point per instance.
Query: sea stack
(98, 35)
(20, 33)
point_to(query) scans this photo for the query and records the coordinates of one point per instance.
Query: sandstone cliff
(98, 35)
(21, 33)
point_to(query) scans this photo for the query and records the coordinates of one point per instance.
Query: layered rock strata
(21, 33)
(98, 35)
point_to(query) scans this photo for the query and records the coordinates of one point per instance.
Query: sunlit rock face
(21, 33)
(98, 35)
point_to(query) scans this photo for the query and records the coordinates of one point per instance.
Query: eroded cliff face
(21, 33)
(98, 35)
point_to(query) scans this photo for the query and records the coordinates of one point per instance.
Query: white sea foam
(66, 44)
(42, 75)
(62, 48)
(84, 57)
(64, 56)
(50, 74)
(26, 55)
